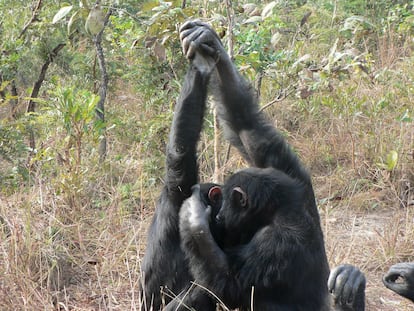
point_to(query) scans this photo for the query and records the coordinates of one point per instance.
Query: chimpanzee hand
(194, 214)
(201, 45)
(347, 285)
(400, 279)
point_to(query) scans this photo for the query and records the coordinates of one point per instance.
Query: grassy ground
(77, 245)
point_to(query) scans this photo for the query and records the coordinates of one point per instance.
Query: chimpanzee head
(251, 199)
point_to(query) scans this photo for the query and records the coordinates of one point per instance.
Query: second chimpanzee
(271, 254)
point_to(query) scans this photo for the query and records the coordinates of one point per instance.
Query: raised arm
(244, 125)
(182, 172)
(164, 265)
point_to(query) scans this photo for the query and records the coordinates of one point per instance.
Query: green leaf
(253, 20)
(95, 21)
(392, 159)
(268, 10)
(72, 20)
(61, 13)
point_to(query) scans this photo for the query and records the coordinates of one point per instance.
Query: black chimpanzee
(272, 254)
(400, 279)
(164, 267)
(258, 244)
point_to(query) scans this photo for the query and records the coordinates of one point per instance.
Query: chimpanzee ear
(214, 194)
(239, 197)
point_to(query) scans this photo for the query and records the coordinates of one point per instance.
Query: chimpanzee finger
(188, 37)
(191, 50)
(188, 24)
(208, 49)
(333, 284)
(191, 24)
(351, 286)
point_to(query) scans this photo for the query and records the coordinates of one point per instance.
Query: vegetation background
(86, 98)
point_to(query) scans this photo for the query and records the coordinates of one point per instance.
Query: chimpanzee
(254, 243)
(164, 267)
(400, 279)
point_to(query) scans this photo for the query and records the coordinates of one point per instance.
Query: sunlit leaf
(268, 10)
(405, 117)
(95, 21)
(249, 8)
(253, 20)
(392, 159)
(61, 13)
(72, 20)
(275, 39)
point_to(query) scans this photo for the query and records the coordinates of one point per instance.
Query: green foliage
(255, 43)
(13, 150)
(73, 112)
(390, 161)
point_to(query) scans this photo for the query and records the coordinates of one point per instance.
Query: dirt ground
(362, 239)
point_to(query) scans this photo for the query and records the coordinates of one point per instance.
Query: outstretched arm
(245, 127)
(164, 263)
(182, 172)
(400, 279)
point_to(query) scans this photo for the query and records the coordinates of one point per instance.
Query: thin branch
(230, 49)
(31, 107)
(36, 88)
(230, 26)
(282, 96)
(32, 19)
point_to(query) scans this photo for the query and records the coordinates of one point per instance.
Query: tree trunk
(100, 108)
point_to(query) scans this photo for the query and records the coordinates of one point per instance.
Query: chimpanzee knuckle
(185, 44)
(187, 25)
(183, 35)
(341, 279)
(191, 50)
(200, 23)
(332, 278)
